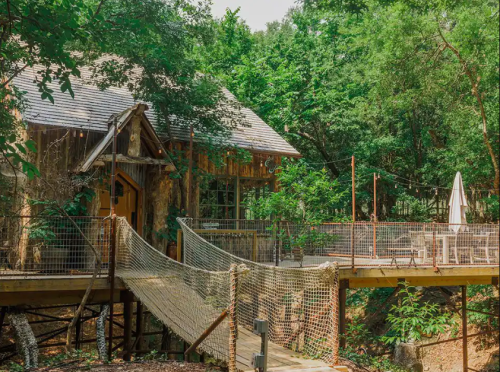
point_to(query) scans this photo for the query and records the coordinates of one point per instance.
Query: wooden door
(126, 201)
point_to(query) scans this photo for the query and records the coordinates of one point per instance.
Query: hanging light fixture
(81, 134)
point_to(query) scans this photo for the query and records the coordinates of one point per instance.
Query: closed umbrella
(458, 205)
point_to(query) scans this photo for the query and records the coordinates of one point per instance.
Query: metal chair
(418, 244)
(463, 246)
(483, 245)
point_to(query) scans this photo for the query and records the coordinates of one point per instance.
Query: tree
(376, 79)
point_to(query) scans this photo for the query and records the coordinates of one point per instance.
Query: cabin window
(250, 191)
(218, 200)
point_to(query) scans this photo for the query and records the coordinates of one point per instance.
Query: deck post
(139, 328)
(165, 340)
(127, 325)
(344, 284)
(233, 323)
(78, 331)
(3, 311)
(464, 329)
(111, 278)
(434, 245)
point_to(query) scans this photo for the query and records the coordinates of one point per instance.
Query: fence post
(233, 321)
(352, 245)
(334, 299)
(112, 256)
(434, 245)
(277, 244)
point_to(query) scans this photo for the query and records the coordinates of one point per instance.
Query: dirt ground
(146, 366)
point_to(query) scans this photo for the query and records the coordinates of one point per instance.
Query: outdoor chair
(415, 247)
(483, 248)
(463, 246)
(419, 244)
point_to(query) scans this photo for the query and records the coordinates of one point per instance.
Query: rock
(408, 356)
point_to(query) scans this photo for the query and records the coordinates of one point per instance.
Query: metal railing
(360, 244)
(41, 245)
(46, 245)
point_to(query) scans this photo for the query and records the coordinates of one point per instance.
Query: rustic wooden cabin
(75, 136)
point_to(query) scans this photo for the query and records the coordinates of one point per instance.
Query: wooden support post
(179, 245)
(464, 329)
(127, 322)
(206, 333)
(139, 328)
(3, 311)
(78, 331)
(165, 340)
(344, 284)
(111, 279)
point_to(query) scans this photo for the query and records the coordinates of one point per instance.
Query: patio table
(445, 238)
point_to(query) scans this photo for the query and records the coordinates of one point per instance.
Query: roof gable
(124, 119)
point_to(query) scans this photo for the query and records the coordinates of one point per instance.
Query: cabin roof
(91, 109)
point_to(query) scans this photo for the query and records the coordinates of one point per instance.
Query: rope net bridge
(301, 305)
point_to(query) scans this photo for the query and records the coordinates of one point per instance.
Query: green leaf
(31, 145)
(21, 148)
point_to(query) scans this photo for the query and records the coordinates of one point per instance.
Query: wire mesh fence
(42, 245)
(290, 244)
(49, 245)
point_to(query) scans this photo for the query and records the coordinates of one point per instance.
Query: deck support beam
(139, 328)
(127, 322)
(344, 284)
(464, 329)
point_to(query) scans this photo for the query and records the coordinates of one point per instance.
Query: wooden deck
(279, 358)
(60, 289)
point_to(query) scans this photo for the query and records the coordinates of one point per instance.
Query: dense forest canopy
(410, 88)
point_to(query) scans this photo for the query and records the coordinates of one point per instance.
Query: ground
(144, 366)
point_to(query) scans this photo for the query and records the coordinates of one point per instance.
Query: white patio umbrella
(458, 205)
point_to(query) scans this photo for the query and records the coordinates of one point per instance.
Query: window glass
(250, 191)
(218, 199)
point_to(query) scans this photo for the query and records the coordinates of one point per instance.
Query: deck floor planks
(279, 358)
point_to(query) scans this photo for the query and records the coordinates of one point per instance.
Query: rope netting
(186, 299)
(301, 305)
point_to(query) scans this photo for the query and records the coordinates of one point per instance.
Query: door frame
(140, 193)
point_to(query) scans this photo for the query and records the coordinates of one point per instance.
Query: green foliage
(371, 78)
(412, 319)
(377, 363)
(482, 298)
(418, 210)
(170, 232)
(304, 196)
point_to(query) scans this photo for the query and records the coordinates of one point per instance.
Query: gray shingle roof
(91, 108)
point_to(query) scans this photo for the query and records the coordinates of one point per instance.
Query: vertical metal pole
(190, 173)
(263, 350)
(434, 245)
(353, 175)
(374, 215)
(112, 253)
(464, 329)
